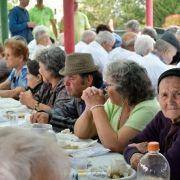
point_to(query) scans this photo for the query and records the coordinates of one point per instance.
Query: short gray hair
(105, 37)
(162, 47)
(133, 25)
(143, 45)
(88, 36)
(150, 31)
(53, 59)
(25, 155)
(39, 31)
(131, 81)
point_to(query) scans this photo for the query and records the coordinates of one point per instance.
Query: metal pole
(4, 19)
(149, 13)
(69, 25)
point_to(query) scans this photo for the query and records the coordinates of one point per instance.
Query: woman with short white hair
(42, 40)
(25, 155)
(143, 45)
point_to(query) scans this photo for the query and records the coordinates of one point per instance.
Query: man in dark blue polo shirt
(19, 23)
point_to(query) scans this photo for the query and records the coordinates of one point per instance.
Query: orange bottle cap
(153, 146)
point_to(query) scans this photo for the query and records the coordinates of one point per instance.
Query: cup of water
(44, 129)
(12, 117)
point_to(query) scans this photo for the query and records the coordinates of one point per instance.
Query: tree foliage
(164, 8)
(101, 11)
(12, 3)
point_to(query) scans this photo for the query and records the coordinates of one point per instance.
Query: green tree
(101, 11)
(12, 3)
(163, 8)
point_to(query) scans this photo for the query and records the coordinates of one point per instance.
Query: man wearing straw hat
(79, 73)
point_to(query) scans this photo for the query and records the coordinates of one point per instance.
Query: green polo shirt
(81, 23)
(41, 16)
(139, 117)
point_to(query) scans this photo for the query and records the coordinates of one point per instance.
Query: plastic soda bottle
(153, 165)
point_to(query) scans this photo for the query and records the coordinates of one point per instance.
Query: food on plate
(69, 146)
(21, 115)
(117, 169)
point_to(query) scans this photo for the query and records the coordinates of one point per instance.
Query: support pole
(4, 20)
(68, 6)
(149, 13)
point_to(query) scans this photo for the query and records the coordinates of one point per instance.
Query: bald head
(128, 40)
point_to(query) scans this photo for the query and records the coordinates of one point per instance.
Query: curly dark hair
(33, 67)
(131, 81)
(103, 27)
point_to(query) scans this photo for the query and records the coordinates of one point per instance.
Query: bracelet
(95, 106)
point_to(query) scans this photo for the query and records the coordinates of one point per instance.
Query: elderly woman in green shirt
(130, 107)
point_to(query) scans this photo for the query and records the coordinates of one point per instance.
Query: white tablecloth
(20, 112)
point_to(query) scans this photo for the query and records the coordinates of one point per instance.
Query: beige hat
(78, 63)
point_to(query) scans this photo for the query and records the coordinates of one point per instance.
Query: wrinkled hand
(27, 99)
(40, 117)
(135, 160)
(93, 96)
(31, 24)
(142, 147)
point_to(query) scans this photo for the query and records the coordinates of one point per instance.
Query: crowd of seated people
(109, 89)
(79, 73)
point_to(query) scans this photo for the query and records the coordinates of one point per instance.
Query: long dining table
(89, 159)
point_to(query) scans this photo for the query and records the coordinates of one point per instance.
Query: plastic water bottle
(153, 165)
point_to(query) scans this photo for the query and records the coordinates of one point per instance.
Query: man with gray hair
(143, 45)
(87, 37)
(158, 60)
(26, 155)
(132, 26)
(126, 51)
(100, 48)
(41, 41)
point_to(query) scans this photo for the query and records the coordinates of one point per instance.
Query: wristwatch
(36, 106)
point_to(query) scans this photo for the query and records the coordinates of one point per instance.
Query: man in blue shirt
(19, 23)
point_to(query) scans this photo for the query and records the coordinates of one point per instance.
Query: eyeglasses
(106, 85)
